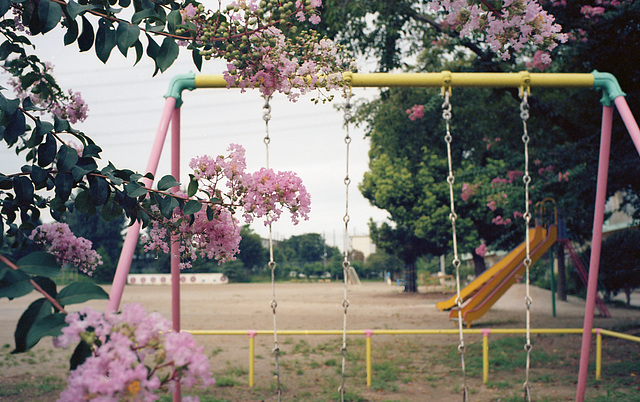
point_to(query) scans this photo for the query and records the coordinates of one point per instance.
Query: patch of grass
(30, 389)
(226, 381)
(331, 362)
(385, 377)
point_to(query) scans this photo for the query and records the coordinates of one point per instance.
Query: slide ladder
(583, 274)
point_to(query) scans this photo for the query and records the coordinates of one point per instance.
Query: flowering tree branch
(33, 283)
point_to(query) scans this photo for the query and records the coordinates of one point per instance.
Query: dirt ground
(318, 306)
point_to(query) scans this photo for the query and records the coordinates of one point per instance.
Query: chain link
(446, 115)
(346, 264)
(524, 115)
(266, 116)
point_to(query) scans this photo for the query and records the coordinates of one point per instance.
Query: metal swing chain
(446, 115)
(266, 116)
(346, 265)
(524, 115)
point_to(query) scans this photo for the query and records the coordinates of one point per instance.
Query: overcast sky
(125, 104)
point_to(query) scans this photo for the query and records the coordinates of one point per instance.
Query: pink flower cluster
(468, 190)
(278, 67)
(259, 55)
(509, 29)
(69, 106)
(540, 61)
(415, 112)
(490, 142)
(58, 240)
(499, 220)
(481, 250)
(133, 355)
(262, 194)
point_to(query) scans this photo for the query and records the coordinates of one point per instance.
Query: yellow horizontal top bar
(444, 78)
(411, 332)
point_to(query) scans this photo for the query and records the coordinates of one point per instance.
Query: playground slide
(510, 261)
(486, 297)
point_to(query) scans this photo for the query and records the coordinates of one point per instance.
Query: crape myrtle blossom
(133, 355)
(224, 185)
(259, 55)
(507, 26)
(57, 239)
(65, 105)
(415, 112)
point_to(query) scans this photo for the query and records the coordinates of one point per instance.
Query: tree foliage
(407, 174)
(620, 263)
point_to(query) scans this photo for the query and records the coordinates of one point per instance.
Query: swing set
(524, 81)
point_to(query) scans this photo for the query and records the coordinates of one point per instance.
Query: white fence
(185, 279)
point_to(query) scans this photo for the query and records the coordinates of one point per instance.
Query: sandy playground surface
(311, 306)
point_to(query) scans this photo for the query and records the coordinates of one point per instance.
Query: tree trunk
(479, 266)
(562, 276)
(410, 278)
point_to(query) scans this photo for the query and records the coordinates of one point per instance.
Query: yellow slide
(497, 286)
(510, 261)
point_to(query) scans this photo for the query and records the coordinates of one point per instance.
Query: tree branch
(37, 287)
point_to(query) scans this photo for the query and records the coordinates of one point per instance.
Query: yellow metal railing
(368, 333)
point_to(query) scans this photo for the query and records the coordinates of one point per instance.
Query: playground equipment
(487, 288)
(613, 95)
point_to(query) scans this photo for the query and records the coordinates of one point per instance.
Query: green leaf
(74, 9)
(174, 18)
(209, 213)
(49, 14)
(86, 38)
(91, 151)
(105, 39)
(193, 186)
(49, 325)
(23, 188)
(126, 36)
(191, 207)
(39, 263)
(64, 185)
(135, 190)
(47, 284)
(124, 3)
(15, 128)
(4, 7)
(167, 205)
(111, 210)
(43, 127)
(99, 189)
(38, 309)
(167, 182)
(82, 202)
(27, 104)
(60, 125)
(147, 13)
(167, 54)
(80, 292)
(72, 32)
(197, 58)
(15, 284)
(39, 176)
(67, 158)
(8, 106)
(47, 151)
(80, 354)
(139, 51)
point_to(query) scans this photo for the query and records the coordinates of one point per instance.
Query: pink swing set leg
(598, 221)
(131, 239)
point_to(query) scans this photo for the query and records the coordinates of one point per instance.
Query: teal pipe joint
(178, 84)
(609, 85)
